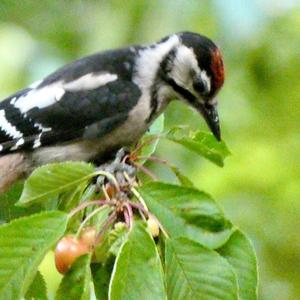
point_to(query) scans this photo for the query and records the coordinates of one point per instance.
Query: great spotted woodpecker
(105, 101)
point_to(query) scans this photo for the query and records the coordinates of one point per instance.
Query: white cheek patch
(8, 128)
(89, 82)
(206, 79)
(184, 63)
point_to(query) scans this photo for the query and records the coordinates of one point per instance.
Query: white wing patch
(19, 143)
(49, 95)
(42, 128)
(39, 98)
(8, 127)
(90, 81)
(37, 142)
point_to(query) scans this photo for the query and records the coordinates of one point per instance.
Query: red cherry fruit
(88, 236)
(67, 251)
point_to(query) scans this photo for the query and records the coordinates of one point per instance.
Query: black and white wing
(86, 99)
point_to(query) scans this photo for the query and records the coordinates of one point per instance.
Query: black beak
(208, 111)
(210, 114)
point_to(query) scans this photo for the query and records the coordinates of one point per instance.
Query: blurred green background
(259, 187)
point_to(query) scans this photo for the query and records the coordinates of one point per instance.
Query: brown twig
(146, 171)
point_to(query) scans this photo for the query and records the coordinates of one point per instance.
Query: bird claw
(117, 168)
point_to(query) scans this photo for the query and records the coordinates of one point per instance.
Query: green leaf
(184, 180)
(156, 128)
(194, 272)
(70, 199)
(116, 239)
(76, 283)
(37, 289)
(187, 212)
(23, 244)
(202, 143)
(101, 252)
(137, 272)
(101, 277)
(51, 180)
(111, 243)
(240, 254)
(8, 210)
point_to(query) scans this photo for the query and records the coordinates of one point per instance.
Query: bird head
(194, 70)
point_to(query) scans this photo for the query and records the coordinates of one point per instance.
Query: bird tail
(12, 168)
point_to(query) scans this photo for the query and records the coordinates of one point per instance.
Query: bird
(95, 105)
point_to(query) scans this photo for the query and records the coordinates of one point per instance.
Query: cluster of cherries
(118, 195)
(70, 247)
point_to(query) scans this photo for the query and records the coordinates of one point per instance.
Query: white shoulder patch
(149, 61)
(8, 128)
(89, 81)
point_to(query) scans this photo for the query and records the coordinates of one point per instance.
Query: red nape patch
(217, 68)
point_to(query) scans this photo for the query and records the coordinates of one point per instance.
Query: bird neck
(147, 75)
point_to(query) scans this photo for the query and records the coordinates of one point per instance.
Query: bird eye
(200, 86)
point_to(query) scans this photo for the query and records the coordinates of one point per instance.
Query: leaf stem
(140, 207)
(109, 221)
(140, 198)
(149, 141)
(126, 218)
(88, 217)
(130, 213)
(110, 176)
(146, 171)
(85, 204)
(155, 159)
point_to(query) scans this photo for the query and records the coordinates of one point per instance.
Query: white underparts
(49, 95)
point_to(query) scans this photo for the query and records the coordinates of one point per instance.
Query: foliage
(258, 106)
(23, 244)
(198, 254)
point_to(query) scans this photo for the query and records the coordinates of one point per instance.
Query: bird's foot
(117, 168)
